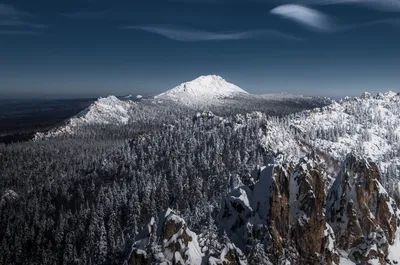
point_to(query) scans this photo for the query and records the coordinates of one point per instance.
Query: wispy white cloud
(12, 32)
(316, 20)
(85, 15)
(10, 11)
(389, 21)
(382, 5)
(305, 16)
(188, 34)
(109, 14)
(16, 22)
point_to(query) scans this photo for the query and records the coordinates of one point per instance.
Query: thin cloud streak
(85, 15)
(20, 33)
(10, 11)
(382, 5)
(12, 20)
(193, 35)
(308, 17)
(315, 20)
(389, 21)
(18, 23)
(108, 14)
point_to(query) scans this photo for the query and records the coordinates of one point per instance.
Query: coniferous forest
(96, 193)
(82, 198)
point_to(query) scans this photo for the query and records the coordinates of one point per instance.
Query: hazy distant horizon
(40, 96)
(80, 48)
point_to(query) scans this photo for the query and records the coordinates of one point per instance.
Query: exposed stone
(139, 258)
(172, 242)
(361, 212)
(307, 200)
(283, 213)
(279, 213)
(231, 255)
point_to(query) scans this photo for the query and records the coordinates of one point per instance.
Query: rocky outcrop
(278, 222)
(260, 212)
(283, 216)
(169, 241)
(360, 211)
(142, 248)
(313, 238)
(365, 95)
(172, 242)
(285, 212)
(230, 255)
(8, 196)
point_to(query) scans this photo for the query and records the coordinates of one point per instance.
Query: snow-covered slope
(108, 110)
(369, 125)
(204, 89)
(104, 111)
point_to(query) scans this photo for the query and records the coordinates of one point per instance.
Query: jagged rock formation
(279, 212)
(285, 211)
(280, 218)
(360, 211)
(8, 196)
(256, 213)
(168, 240)
(312, 237)
(230, 255)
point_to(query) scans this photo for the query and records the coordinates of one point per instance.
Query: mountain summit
(203, 89)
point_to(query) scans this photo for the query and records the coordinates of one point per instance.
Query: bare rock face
(285, 212)
(278, 222)
(172, 242)
(8, 196)
(141, 249)
(360, 211)
(313, 238)
(139, 258)
(231, 255)
(260, 212)
(284, 217)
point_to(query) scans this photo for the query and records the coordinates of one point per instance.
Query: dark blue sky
(92, 48)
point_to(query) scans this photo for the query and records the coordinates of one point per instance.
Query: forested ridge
(81, 200)
(87, 195)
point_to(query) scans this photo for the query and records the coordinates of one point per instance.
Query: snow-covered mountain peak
(366, 95)
(203, 89)
(387, 95)
(104, 110)
(109, 100)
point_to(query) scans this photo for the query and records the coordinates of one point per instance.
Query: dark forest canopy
(81, 199)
